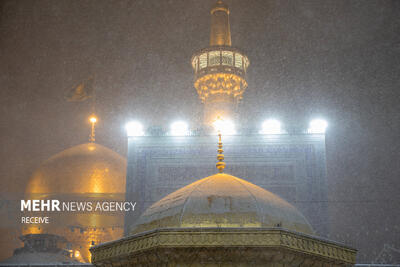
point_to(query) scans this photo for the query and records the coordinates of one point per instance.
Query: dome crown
(222, 200)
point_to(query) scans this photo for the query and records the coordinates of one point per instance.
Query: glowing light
(317, 126)
(226, 127)
(77, 254)
(92, 120)
(271, 126)
(134, 128)
(220, 83)
(179, 128)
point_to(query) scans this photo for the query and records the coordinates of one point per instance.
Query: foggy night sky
(339, 60)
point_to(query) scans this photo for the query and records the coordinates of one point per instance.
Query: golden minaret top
(220, 31)
(220, 69)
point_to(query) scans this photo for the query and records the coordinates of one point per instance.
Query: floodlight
(179, 128)
(271, 126)
(225, 127)
(317, 126)
(134, 128)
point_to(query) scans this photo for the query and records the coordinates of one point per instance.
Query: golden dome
(84, 173)
(86, 168)
(222, 200)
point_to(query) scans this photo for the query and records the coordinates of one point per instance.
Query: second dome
(225, 201)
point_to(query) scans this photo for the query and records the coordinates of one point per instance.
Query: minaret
(220, 69)
(220, 31)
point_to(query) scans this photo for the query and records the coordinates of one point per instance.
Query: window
(203, 60)
(238, 60)
(227, 58)
(194, 63)
(214, 58)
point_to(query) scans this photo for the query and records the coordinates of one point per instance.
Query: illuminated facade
(220, 70)
(290, 165)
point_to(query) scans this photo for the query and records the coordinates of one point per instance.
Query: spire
(220, 31)
(220, 164)
(218, 124)
(93, 121)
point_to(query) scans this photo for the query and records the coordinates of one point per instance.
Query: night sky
(338, 60)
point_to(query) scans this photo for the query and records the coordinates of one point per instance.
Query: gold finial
(93, 121)
(220, 164)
